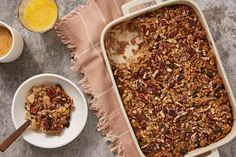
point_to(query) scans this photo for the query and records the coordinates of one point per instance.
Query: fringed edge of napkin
(103, 125)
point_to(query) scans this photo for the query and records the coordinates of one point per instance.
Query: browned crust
(172, 92)
(48, 108)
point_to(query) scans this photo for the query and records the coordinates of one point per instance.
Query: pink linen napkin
(80, 30)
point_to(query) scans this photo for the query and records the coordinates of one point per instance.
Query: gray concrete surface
(45, 53)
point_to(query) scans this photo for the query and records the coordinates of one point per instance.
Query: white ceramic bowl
(78, 115)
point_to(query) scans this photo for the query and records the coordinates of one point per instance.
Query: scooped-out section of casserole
(166, 74)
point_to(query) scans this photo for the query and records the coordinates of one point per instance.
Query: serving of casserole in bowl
(170, 81)
(56, 108)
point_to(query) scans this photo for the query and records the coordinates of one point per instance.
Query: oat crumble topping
(48, 108)
(171, 90)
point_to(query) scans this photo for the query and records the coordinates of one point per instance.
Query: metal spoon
(8, 141)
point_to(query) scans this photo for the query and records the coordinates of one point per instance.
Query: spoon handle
(7, 142)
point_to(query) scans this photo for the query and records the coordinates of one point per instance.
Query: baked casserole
(172, 92)
(48, 107)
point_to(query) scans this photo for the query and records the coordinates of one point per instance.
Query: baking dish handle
(135, 5)
(214, 153)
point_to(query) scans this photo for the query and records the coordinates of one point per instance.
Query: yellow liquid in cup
(39, 15)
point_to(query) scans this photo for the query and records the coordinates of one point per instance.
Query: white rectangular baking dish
(154, 5)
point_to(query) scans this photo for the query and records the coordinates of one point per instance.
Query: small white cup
(17, 45)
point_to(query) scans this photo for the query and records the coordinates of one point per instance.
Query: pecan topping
(171, 90)
(48, 108)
